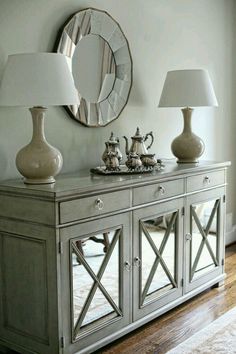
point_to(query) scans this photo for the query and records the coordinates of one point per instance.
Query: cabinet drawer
(91, 206)
(158, 191)
(205, 180)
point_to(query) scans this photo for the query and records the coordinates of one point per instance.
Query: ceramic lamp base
(39, 181)
(39, 161)
(187, 147)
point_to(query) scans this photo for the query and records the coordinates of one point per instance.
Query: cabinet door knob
(207, 180)
(161, 190)
(99, 204)
(188, 237)
(127, 266)
(137, 262)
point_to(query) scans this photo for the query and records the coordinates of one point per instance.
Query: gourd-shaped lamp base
(39, 161)
(187, 147)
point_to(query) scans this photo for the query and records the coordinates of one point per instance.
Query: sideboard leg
(219, 284)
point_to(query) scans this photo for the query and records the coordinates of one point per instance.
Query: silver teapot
(112, 145)
(138, 145)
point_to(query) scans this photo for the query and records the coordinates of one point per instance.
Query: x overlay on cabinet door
(204, 232)
(152, 235)
(94, 266)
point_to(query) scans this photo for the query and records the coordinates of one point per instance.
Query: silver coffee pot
(138, 145)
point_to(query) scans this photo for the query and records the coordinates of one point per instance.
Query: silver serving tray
(101, 170)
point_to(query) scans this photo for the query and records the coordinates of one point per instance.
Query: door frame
(145, 213)
(199, 198)
(95, 333)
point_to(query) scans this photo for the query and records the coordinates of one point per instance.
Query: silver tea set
(138, 157)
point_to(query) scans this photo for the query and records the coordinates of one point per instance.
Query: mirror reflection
(204, 243)
(158, 242)
(93, 68)
(95, 279)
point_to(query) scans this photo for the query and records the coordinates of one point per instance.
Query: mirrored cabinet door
(204, 237)
(97, 271)
(157, 255)
(95, 274)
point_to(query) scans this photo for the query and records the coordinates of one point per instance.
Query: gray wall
(163, 35)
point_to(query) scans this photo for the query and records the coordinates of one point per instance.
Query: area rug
(217, 338)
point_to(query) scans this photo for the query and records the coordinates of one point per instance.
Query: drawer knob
(161, 190)
(99, 204)
(127, 266)
(207, 180)
(137, 262)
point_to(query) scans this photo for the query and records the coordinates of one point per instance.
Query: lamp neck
(187, 114)
(38, 114)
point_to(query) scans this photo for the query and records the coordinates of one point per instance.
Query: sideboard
(90, 258)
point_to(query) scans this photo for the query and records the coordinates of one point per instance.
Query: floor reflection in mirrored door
(204, 242)
(158, 248)
(95, 278)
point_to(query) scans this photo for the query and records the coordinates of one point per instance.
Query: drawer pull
(188, 237)
(99, 204)
(137, 262)
(207, 180)
(127, 266)
(161, 190)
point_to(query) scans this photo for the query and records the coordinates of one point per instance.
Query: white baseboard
(230, 236)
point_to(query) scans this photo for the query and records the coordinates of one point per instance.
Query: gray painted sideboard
(91, 258)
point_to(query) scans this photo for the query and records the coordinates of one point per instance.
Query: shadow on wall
(3, 153)
(137, 93)
(3, 59)
(3, 162)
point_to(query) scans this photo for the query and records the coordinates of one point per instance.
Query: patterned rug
(217, 338)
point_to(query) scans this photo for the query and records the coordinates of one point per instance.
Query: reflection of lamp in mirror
(187, 88)
(38, 80)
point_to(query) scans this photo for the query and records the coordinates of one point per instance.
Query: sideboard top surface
(86, 182)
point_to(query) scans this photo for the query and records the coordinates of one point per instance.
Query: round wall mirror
(100, 61)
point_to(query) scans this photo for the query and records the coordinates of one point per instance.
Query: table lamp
(38, 80)
(187, 88)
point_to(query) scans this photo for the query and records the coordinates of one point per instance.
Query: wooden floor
(166, 332)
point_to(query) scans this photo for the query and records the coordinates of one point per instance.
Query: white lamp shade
(37, 79)
(188, 88)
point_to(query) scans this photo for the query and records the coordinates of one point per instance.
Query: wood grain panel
(206, 180)
(25, 308)
(33, 210)
(158, 191)
(86, 207)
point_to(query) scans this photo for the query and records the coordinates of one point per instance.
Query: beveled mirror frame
(100, 23)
